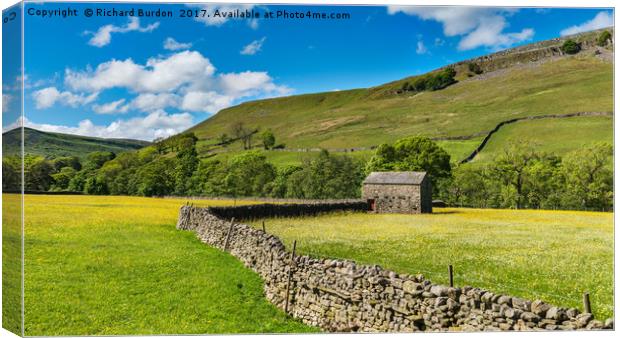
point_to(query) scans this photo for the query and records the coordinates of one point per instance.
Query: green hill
(531, 80)
(50, 145)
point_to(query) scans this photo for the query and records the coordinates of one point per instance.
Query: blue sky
(151, 77)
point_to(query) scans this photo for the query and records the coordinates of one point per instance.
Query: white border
(481, 3)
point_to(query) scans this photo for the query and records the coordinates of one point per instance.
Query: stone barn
(407, 192)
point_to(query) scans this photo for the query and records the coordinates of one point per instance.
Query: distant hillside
(531, 80)
(47, 144)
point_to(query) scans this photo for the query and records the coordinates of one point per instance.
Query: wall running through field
(340, 295)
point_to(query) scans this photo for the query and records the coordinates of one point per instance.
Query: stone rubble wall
(342, 296)
(535, 52)
(268, 210)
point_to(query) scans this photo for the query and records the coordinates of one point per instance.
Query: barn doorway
(371, 205)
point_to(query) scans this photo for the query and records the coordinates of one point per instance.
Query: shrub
(603, 38)
(405, 86)
(570, 47)
(474, 68)
(436, 81)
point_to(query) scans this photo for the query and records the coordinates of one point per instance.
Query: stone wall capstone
(342, 296)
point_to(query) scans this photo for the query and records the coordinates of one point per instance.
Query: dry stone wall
(342, 296)
(268, 210)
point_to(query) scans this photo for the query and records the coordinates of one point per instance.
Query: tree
(68, 161)
(224, 139)
(208, 179)
(124, 183)
(63, 177)
(269, 140)
(156, 178)
(37, 173)
(95, 160)
(248, 174)
(244, 134)
(11, 173)
(412, 154)
(96, 185)
(470, 186)
(278, 187)
(542, 183)
(405, 86)
(570, 47)
(474, 68)
(510, 169)
(187, 162)
(589, 178)
(77, 182)
(326, 177)
(604, 38)
(160, 145)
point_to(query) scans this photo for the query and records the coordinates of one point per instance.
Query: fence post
(290, 276)
(586, 303)
(451, 273)
(232, 221)
(264, 227)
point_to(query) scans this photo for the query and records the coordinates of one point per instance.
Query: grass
(359, 118)
(103, 265)
(11, 263)
(558, 136)
(56, 145)
(548, 255)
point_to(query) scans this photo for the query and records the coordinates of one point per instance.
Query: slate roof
(396, 177)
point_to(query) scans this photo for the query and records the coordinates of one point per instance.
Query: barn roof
(396, 177)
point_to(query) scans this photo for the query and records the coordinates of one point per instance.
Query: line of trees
(520, 177)
(434, 81)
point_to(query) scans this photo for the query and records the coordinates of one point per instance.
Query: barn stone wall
(340, 295)
(394, 198)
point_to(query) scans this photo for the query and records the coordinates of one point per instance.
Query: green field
(558, 136)
(48, 144)
(11, 263)
(361, 117)
(117, 265)
(548, 255)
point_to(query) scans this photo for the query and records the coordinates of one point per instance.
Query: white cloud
(253, 24)
(158, 75)
(205, 101)
(172, 44)
(253, 47)
(185, 80)
(213, 20)
(49, 96)
(439, 42)
(489, 33)
(114, 107)
(149, 102)
(103, 36)
(6, 101)
(420, 48)
(601, 20)
(155, 124)
(251, 84)
(480, 27)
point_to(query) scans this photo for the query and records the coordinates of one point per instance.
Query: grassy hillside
(474, 105)
(558, 136)
(536, 254)
(47, 144)
(100, 265)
